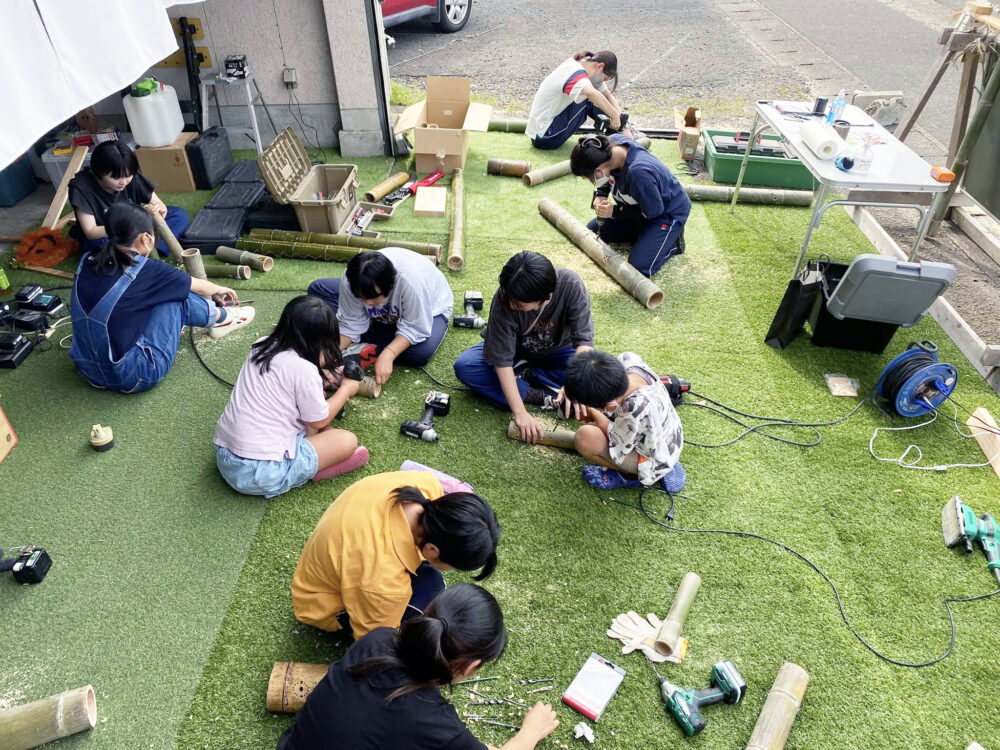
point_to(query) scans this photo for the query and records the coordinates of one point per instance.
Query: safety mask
(597, 79)
(601, 181)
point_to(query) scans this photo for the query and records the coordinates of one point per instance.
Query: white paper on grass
(59, 57)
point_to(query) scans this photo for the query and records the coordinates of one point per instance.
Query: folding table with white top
(895, 167)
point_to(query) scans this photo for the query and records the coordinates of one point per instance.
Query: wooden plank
(69, 218)
(987, 20)
(982, 425)
(198, 33)
(930, 83)
(971, 221)
(430, 201)
(62, 192)
(966, 89)
(991, 356)
(176, 60)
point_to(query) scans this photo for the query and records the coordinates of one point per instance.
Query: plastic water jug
(153, 112)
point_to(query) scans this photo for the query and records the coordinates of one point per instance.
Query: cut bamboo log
(984, 428)
(226, 271)
(244, 258)
(668, 637)
(369, 388)
(176, 251)
(456, 239)
(49, 719)
(346, 240)
(502, 125)
(782, 706)
(296, 249)
(546, 174)
(617, 267)
(557, 437)
(724, 194)
(508, 168)
(385, 187)
(290, 684)
(193, 263)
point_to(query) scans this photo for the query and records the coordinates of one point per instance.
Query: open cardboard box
(441, 124)
(688, 132)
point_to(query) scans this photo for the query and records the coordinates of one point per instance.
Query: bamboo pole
(244, 258)
(226, 271)
(291, 683)
(176, 251)
(369, 388)
(293, 249)
(617, 267)
(456, 239)
(545, 174)
(508, 168)
(558, 437)
(193, 263)
(502, 125)
(782, 706)
(669, 635)
(385, 187)
(346, 240)
(52, 718)
(724, 194)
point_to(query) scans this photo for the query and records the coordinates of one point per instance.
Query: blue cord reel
(915, 382)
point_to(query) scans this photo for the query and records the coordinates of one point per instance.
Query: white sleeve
(416, 318)
(351, 313)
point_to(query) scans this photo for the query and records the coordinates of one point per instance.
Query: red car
(448, 15)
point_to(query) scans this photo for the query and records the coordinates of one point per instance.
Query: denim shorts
(252, 476)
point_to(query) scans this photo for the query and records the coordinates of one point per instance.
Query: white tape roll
(820, 138)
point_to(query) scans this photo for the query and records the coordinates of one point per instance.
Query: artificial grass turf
(569, 563)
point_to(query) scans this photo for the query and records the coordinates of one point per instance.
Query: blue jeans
(565, 124)
(251, 476)
(177, 219)
(382, 334)
(653, 242)
(472, 369)
(425, 585)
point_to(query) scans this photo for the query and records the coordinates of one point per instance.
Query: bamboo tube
(724, 194)
(551, 172)
(244, 258)
(508, 168)
(293, 249)
(669, 635)
(346, 240)
(558, 437)
(502, 125)
(369, 388)
(226, 271)
(193, 263)
(291, 683)
(644, 290)
(176, 251)
(782, 706)
(456, 239)
(644, 141)
(385, 187)
(34, 724)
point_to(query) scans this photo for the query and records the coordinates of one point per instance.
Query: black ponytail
(463, 624)
(461, 525)
(590, 153)
(610, 60)
(307, 326)
(124, 222)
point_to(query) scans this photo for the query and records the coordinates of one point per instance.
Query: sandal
(353, 462)
(236, 317)
(603, 478)
(675, 479)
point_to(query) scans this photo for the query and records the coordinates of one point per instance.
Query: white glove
(638, 634)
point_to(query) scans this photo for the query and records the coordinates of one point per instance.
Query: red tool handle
(428, 180)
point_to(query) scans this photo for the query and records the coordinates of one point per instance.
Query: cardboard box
(441, 124)
(688, 132)
(8, 438)
(168, 167)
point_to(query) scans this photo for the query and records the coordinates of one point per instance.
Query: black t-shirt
(349, 712)
(157, 282)
(87, 196)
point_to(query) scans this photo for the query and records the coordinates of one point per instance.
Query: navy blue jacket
(644, 188)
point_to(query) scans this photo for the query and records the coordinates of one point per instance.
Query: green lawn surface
(169, 592)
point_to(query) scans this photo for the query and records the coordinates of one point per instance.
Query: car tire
(453, 14)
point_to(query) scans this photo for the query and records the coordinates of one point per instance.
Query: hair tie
(444, 627)
(592, 140)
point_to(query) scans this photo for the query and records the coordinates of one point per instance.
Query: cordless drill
(960, 526)
(436, 404)
(29, 564)
(473, 304)
(685, 704)
(603, 123)
(676, 387)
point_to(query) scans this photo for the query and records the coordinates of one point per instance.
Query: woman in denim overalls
(128, 310)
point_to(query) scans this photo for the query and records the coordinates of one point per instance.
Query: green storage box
(763, 171)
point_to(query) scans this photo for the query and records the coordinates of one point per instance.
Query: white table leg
(746, 158)
(925, 221)
(253, 116)
(814, 220)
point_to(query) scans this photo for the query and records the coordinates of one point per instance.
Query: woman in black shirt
(384, 692)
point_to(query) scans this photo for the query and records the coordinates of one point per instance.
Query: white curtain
(58, 57)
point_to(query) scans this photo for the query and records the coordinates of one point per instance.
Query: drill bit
(541, 689)
(532, 682)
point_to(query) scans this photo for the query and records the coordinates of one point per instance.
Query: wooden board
(176, 60)
(975, 223)
(430, 201)
(984, 427)
(62, 192)
(8, 438)
(199, 33)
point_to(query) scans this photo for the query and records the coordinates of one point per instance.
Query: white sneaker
(236, 317)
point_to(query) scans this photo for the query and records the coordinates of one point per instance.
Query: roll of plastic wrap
(820, 138)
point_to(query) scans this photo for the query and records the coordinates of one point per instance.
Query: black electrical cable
(446, 386)
(896, 377)
(205, 364)
(836, 592)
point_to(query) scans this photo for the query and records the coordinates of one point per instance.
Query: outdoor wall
(273, 34)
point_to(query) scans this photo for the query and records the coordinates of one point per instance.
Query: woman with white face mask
(571, 93)
(637, 201)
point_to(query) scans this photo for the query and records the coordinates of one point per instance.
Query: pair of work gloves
(638, 633)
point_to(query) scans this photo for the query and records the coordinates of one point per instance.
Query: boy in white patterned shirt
(633, 434)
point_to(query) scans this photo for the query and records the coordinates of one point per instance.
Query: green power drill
(685, 704)
(960, 526)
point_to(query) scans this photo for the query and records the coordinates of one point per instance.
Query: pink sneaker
(355, 461)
